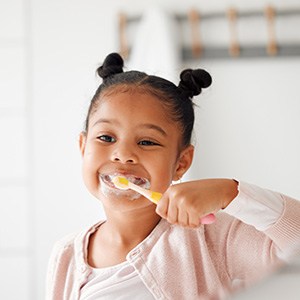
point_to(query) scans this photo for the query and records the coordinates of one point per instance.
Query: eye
(148, 143)
(106, 138)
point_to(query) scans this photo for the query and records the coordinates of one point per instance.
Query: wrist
(231, 191)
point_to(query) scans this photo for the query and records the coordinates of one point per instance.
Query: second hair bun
(113, 64)
(192, 81)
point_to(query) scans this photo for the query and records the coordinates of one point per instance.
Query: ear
(184, 162)
(82, 142)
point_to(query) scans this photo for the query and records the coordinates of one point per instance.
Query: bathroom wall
(247, 123)
(16, 180)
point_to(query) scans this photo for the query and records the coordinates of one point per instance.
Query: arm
(255, 206)
(274, 214)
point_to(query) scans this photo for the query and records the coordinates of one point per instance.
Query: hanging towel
(156, 49)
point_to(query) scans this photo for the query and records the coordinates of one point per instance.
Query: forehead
(136, 103)
(131, 110)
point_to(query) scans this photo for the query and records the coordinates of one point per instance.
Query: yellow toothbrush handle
(155, 197)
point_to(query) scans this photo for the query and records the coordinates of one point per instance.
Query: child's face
(130, 134)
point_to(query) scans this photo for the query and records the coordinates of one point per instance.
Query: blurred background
(247, 125)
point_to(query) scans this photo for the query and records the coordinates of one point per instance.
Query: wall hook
(194, 20)
(234, 48)
(270, 14)
(124, 50)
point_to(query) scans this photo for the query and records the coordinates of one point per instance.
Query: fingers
(167, 211)
(162, 207)
(176, 212)
(183, 218)
(193, 203)
(194, 220)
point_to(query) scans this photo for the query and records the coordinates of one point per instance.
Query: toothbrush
(124, 184)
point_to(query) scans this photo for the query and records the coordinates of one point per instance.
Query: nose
(123, 154)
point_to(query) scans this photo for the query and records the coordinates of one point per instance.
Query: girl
(140, 127)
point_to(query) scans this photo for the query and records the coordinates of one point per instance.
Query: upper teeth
(133, 179)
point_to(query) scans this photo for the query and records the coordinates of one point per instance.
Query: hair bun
(192, 81)
(113, 64)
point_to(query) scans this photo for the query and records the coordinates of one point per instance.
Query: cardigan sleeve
(277, 215)
(60, 269)
(256, 206)
(250, 247)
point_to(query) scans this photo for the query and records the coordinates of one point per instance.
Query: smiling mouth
(140, 181)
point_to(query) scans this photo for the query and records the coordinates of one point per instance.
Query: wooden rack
(234, 50)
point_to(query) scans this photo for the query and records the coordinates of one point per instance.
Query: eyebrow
(145, 125)
(154, 127)
(102, 120)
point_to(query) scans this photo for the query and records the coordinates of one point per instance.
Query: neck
(130, 227)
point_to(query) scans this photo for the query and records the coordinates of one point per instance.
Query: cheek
(92, 156)
(90, 166)
(90, 179)
(164, 171)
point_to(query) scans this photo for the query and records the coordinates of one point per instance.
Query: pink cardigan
(178, 263)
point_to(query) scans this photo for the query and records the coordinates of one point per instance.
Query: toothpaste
(108, 189)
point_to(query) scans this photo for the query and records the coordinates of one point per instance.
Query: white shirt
(113, 283)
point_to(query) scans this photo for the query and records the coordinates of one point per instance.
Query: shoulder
(63, 250)
(63, 246)
(61, 262)
(70, 246)
(66, 241)
(68, 257)
(69, 240)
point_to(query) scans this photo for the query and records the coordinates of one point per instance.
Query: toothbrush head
(121, 182)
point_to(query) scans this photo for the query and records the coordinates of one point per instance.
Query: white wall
(247, 124)
(16, 227)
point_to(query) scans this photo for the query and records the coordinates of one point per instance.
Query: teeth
(143, 182)
(106, 179)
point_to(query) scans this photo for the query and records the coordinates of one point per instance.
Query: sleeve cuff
(256, 206)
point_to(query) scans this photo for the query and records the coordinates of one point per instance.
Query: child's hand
(186, 203)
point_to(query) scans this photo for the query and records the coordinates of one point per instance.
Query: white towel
(155, 49)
